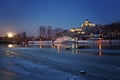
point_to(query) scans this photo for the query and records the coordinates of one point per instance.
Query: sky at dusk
(28, 15)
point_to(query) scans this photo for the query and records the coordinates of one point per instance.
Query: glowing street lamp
(10, 35)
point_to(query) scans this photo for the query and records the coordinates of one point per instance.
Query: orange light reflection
(100, 48)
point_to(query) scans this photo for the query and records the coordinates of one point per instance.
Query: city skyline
(28, 15)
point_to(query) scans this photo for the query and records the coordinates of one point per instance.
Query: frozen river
(38, 63)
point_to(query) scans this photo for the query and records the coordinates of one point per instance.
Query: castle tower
(87, 23)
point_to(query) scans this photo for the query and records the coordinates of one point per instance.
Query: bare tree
(42, 32)
(50, 32)
(24, 35)
(57, 32)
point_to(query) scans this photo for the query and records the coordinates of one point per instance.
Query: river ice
(49, 64)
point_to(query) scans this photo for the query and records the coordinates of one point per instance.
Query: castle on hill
(82, 29)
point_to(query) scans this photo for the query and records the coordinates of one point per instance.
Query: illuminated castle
(87, 23)
(82, 30)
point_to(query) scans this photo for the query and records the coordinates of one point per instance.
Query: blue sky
(28, 15)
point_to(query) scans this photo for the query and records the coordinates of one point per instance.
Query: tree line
(109, 31)
(48, 33)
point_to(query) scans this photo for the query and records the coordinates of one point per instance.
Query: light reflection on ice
(10, 53)
(100, 48)
(10, 46)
